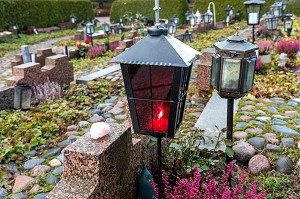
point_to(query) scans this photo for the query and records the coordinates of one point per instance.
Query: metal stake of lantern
(22, 96)
(156, 83)
(288, 24)
(90, 30)
(232, 72)
(253, 8)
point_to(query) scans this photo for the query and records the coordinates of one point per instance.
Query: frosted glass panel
(230, 74)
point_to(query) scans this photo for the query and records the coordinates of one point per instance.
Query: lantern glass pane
(230, 74)
(140, 81)
(253, 12)
(287, 25)
(249, 74)
(161, 80)
(160, 117)
(143, 111)
(215, 70)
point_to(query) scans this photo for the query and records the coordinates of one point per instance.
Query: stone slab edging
(214, 115)
(95, 75)
(104, 169)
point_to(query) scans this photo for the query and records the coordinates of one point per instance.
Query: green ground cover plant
(14, 44)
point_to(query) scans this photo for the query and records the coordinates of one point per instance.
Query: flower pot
(266, 58)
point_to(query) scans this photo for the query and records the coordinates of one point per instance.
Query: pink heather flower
(190, 188)
(264, 47)
(288, 46)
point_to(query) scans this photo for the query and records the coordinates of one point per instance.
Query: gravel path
(5, 67)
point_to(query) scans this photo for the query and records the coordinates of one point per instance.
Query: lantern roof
(254, 2)
(158, 48)
(235, 43)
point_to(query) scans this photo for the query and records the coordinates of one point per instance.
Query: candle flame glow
(160, 114)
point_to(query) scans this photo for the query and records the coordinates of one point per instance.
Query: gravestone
(25, 54)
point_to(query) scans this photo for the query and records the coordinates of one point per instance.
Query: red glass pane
(144, 113)
(161, 79)
(140, 81)
(160, 120)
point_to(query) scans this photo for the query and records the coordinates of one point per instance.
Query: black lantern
(171, 27)
(253, 8)
(120, 30)
(145, 20)
(288, 24)
(187, 37)
(276, 9)
(175, 19)
(238, 15)
(106, 29)
(233, 67)
(156, 82)
(90, 30)
(227, 14)
(73, 19)
(271, 22)
(22, 96)
(16, 30)
(232, 72)
(187, 14)
(122, 19)
(207, 18)
(192, 19)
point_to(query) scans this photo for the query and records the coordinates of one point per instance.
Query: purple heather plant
(190, 188)
(264, 47)
(259, 65)
(288, 46)
(113, 46)
(95, 51)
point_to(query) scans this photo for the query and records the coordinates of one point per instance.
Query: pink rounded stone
(247, 107)
(254, 130)
(22, 183)
(258, 163)
(271, 137)
(55, 163)
(290, 113)
(243, 151)
(99, 129)
(240, 134)
(39, 170)
(245, 117)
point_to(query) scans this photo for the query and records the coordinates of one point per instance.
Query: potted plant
(264, 49)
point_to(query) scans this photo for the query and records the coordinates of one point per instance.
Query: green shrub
(202, 5)
(41, 13)
(293, 7)
(145, 7)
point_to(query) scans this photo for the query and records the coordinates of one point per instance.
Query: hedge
(293, 7)
(220, 5)
(168, 9)
(41, 13)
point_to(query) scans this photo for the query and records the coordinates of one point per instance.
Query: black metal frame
(177, 96)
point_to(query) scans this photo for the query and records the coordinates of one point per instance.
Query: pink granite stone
(258, 164)
(35, 189)
(22, 183)
(72, 128)
(247, 107)
(254, 130)
(240, 134)
(266, 100)
(290, 113)
(245, 117)
(69, 133)
(38, 170)
(116, 110)
(271, 137)
(54, 163)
